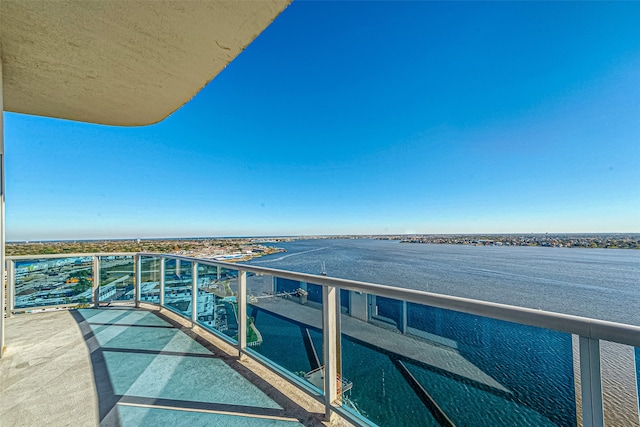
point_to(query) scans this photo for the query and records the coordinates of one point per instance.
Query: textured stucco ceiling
(120, 62)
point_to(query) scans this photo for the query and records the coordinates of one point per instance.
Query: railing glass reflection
(53, 281)
(451, 368)
(637, 361)
(150, 279)
(116, 278)
(178, 286)
(287, 321)
(217, 300)
(618, 367)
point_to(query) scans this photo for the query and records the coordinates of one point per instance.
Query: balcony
(153, 337)
(130, 367)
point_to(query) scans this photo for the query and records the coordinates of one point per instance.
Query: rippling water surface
(534, 366)
(598, 283)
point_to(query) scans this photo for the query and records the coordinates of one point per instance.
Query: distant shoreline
(232, 249)
(629, 241)
(223, 246)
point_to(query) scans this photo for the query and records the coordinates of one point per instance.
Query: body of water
(533, 367)
(596, 283)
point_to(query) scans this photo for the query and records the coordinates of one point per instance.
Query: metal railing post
(241, 299)
(138, 280)
(11, 286)
(162, 274)
(330, 356)
(591, 383)
(194, 292)
(95, 290)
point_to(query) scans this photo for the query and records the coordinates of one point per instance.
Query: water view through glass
(217, 300)
(434, 364)
(426, 365)
(637, 359)
(287, 317)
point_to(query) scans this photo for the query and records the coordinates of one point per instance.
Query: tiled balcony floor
(130, 367)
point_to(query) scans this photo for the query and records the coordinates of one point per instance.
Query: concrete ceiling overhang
(118, 62)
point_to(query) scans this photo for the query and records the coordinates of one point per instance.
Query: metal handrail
(578, 325)
(590, 331)
(74, 255)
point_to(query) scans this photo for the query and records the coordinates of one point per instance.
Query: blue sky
(365, 118)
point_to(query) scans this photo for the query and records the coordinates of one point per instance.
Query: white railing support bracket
(591, 383)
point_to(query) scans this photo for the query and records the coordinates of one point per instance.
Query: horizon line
(282, 236)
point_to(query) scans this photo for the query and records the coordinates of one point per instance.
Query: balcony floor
(130, 367)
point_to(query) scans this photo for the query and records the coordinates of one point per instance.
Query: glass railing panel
(430, 366)
(375, 389)
(150, 279)
(285, 286)
(386, 310)
(637, 362)
(345, 301)
(117, 278)
(373, 384)
(618, 365)
(287, 326)
(178, 286)
(53, 281)
(217, 300)
(169, 267)
(259, 285)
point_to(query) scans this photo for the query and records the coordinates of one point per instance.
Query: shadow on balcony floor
(141, 369)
